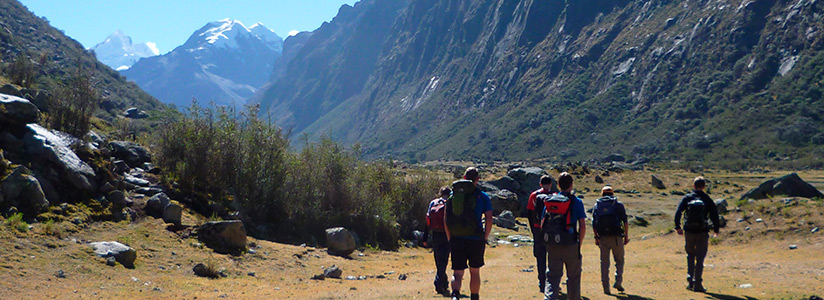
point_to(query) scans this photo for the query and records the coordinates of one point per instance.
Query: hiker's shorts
(464, 250)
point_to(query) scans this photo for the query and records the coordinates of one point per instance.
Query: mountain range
(223, 62)
(119, 53)
(702, 81)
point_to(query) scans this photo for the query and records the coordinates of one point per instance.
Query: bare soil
(754, 263)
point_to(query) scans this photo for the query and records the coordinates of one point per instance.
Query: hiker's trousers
(440, 249)
(558, 258)
(696, 246)
(615, 244)
(539, 251)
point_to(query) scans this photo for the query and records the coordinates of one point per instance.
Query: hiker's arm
(714, 217)
(678, 211)
(446, 228)
(487, 224)
(626, 233)
(530, 211)
(582, 224)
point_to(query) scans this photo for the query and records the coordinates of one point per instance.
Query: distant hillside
(24, 34)
(733, 82)
(224, 62)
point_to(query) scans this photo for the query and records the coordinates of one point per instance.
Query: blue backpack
(605, 219)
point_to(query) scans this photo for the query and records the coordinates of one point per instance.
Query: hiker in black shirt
(698, 209)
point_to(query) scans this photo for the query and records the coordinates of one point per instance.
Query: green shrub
(74, 103)
(16, 222)
(235, 158)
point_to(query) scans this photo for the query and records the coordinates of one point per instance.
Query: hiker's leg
(474, 280)
(701, 247)
(459, 259)
(618, 254)
(555, 266)
(605, 247)
(441, 252)
(689, 247)
(574, 268)
(457, 278)
(539, 251)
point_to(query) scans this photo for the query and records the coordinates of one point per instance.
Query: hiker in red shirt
(534, 210)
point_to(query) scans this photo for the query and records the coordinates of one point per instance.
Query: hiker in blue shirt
(468, 232)
(567, 252)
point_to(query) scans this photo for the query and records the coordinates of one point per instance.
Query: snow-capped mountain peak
(226, 33)
(118, 52)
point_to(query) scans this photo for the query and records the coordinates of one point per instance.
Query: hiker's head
(546, 182)
(472, 174)
(606, 191)
(699, 183)
(445, 191)
(565, 182)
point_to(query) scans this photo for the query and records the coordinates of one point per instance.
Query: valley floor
(655, 269)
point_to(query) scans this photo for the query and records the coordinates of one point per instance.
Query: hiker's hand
(597, 242)
(715, 234)
(680, 232)
(425, 245)
(626, 240)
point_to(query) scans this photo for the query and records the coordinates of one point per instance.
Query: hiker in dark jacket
(698, 208)
(534, 210)
(439, 242)
(611, 230)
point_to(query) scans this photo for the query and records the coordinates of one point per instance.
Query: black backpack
(695, 215)
(556, 226)
(460, 209)
(605, 217)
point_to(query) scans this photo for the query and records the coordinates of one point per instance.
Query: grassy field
(754, 263)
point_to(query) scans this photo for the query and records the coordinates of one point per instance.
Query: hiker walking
(563, 227)
(698, 210)
(611, 230)
(534, 211)
(435, 215)
(466, 232)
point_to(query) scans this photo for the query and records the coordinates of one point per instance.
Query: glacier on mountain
(119, 53)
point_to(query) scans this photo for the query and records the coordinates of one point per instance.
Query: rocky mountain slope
(706, 81)
(119, 53)
(224, 62)
(55, 58)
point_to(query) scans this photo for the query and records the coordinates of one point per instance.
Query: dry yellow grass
(655, 262)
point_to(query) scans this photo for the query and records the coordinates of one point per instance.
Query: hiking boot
(456, 295)
(542, 288)
(698, 288)
(607, 292)
(618, 287)
(690, 284)
(474, 297)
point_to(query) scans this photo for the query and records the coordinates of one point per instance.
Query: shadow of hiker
(728, 297)
(630, 297)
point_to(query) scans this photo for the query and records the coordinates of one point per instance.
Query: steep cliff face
(332, 64)
(523, 79)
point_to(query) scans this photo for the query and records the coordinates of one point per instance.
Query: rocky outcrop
(504, 200)
(23, 191)
(506, 220)
(789, 185)
(54, 146)
(520, 181)
(339, 241)
(133, 154)
(228, 237)
(125, 255)
(17, 111)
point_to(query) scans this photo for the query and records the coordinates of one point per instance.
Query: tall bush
(73, 104)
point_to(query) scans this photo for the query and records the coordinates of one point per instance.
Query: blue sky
(168, 23)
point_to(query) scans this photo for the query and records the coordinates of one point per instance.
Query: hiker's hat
(606, 190)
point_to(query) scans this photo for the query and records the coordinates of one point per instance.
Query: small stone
(759, 220)
(380, 277)
(793, 247)
(111, 261)
(60, 274)
(351, 278)
(319, 277)
(361, 277)
(740, 220)
(402, 277)
(333, 272)
(251, 274)
(748, 228)
(353, 288)
(814, 230)
(527, 270)
(745, 286)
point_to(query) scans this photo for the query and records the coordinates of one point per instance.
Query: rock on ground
(223, 236)
(22, 190)
(125, 255)
(339, 241)
(789, 185)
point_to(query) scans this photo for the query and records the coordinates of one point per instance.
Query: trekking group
(459, 222)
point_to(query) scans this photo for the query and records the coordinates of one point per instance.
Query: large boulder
(17, 111)
(134, 113)
(54, 147)
(504, 200)
(614, 158)
(173, 213)
(657, 183)
(133, 154)
(23, 191)
(228, 237)
(505, 183)
(156, 204)
(125, 255)
(789, 185)
(529, 179)
(339, 241)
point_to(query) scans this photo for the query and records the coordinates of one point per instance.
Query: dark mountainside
(23, 33)
(330, 66)
(703, 81)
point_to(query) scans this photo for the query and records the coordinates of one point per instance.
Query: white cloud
(293, 32)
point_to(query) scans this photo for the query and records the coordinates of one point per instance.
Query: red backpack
(435, 218)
